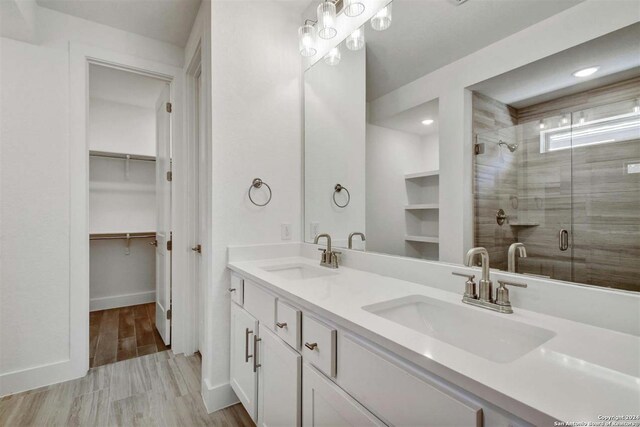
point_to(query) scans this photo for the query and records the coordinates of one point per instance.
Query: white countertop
(581, 373)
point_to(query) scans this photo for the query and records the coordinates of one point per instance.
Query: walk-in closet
(129, 241)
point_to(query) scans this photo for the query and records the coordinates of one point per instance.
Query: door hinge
(478, 148)
(169, 176)
(168, 107)
(169, 314)
(169, 245)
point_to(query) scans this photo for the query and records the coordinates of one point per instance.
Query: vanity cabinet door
(279, 382)
(326, 404)
(244, 380)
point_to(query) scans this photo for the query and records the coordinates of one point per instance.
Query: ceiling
(617, 54)
(427, 35)
(165, 20)
(124, 87)
(411, 120)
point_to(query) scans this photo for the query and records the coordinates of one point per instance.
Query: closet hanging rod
(121, 236)
(122, 156)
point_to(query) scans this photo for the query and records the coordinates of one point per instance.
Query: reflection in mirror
(561, 165)
(555, 147)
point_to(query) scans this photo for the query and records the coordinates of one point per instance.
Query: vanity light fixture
(353, 8)
(585, 72)
(427, 122)
(333, 57)
(327, 20)
(541, 124)
(382, 20)
(307, 40)
(355, 40)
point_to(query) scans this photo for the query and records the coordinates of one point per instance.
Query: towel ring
(257, 183)
(338, 188)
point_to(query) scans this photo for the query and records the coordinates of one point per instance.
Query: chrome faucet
(329, 258)
(515, 248)
(355, 233)
(485, 299)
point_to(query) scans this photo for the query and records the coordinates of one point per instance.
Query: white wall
(390, 155)
(121, 128)
(334, 147)
(576, 25)
(256, 132)
(34, 208)
(35, 225)
(430, 151)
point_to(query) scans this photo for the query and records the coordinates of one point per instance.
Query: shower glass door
(605, 145)
(568, 187)
(518, 179)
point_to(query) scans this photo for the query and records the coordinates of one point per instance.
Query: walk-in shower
(569, 185)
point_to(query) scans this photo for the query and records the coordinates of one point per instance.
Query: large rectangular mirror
(554, 153)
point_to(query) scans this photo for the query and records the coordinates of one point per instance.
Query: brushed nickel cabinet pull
(247, 356)
(311, 346)
(281, 325)
(232, 289)
(256, 365)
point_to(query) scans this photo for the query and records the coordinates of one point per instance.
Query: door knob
(197, 248)
(154, 243)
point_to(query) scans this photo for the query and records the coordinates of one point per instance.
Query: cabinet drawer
(237, 289)
(319, 345)
(288, 324)
(260, 303)
(416, 400)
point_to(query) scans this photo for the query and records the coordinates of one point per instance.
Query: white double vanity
(365, 344)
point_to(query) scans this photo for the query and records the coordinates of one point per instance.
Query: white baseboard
(125, 300)
(39, 376)
(218, 397)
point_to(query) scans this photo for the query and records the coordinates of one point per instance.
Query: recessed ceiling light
(427, 122)
(586, 72)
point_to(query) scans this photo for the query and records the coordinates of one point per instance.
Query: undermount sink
(298, 271)
(493, 337)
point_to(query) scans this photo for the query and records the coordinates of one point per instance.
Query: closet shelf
(422, 206)
(422, 239)
(425, 174)
(114, 236)
(123, 156)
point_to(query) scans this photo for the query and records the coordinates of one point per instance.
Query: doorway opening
(129, 142)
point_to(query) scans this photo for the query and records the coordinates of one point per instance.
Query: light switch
(314, 229)
(285, 231)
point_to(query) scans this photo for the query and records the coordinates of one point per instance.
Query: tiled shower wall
(585, 190)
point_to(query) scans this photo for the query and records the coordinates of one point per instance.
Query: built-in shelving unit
(422, 239)
(418, 175)
(422, 206)
(422, 213)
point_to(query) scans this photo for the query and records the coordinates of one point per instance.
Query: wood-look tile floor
(123, 333)
(155, 390)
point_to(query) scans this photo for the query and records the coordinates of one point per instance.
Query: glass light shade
(327, 20)
(333, 57)
(353, 7)
(382, 20)
(307, 40)
(355, 40)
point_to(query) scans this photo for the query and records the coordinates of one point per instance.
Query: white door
(279, 382)
(201, 166)
(326, 404)
(244, 380)
(163, 216)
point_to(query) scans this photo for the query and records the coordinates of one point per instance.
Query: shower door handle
(563, 239)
